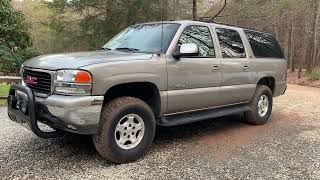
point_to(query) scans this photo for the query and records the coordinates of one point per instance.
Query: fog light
(70, 90)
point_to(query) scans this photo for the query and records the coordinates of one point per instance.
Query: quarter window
(263, 45)
(201, 36)
(230, 43)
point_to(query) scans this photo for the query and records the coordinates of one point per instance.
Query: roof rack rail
(207, 19)
(211, 20)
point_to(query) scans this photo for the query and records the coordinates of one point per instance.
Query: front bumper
(76, 114)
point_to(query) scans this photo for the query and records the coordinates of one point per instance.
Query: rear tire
(260, 105)
(127, 128)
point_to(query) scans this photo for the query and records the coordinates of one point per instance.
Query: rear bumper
(76, 114)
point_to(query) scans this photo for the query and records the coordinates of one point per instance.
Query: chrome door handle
(215, 68)
(245, 68)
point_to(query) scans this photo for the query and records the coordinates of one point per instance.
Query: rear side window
(230, 43)
(264, 45)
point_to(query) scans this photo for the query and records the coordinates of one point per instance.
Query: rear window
(230, 43)
(264, 45)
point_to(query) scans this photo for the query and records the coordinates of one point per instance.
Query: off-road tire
(111, 114)
(252, 116)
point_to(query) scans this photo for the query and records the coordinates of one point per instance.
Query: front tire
(127, 128)
(260, 105)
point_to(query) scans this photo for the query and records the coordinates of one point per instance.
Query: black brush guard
(31, 112)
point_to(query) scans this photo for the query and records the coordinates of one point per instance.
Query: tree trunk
(318, 58)
(176, 10)
(291, 48)
(194, 10)
(303, 59)
(315, 36)
(288, 49)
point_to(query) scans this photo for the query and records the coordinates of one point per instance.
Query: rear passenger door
(236, 81)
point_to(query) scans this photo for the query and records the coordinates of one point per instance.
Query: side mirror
(187, 50)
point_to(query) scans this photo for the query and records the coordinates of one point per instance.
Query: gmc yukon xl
(162, 73)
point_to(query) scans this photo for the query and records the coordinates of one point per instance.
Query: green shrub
(15, 39)
(3, 101)
(10, 61)
(314, 75)
(4, 91)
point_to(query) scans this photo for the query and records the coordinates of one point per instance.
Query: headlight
(72, 82)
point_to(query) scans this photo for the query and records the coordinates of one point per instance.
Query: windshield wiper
(104, 48)
(127, 49)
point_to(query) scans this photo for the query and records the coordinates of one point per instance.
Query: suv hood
(80, 59)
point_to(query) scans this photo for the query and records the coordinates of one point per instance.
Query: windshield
(144, 38)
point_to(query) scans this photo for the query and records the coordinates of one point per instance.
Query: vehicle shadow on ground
(218, 136)
(193, 130)
(81, 147)
(168, 135)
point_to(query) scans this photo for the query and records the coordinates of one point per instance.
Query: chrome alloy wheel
(129, 131)
(263, 105)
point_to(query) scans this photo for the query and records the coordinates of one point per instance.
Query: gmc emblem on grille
(31, 80)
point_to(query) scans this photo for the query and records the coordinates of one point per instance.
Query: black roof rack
(207, 19)
(211, 20)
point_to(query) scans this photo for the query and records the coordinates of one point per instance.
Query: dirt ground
(288, 147)
(303, 81)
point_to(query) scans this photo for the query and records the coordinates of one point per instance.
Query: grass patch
(315, 75)
(4, 89)
(3, 101)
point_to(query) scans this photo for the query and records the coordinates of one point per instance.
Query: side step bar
(185, 118)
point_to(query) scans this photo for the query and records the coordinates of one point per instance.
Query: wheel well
(147, 92)
(268, 81)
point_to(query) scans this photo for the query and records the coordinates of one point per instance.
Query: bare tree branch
(220, 10)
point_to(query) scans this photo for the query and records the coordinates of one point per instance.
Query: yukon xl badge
(179, 86)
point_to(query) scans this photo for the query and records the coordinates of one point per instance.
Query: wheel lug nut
(132, 133)
(129, 125)
(128, 136)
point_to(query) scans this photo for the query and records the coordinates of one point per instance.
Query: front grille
(38, 81)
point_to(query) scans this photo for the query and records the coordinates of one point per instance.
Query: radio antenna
(162, 14)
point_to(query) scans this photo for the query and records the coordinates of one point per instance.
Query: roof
(206, 22)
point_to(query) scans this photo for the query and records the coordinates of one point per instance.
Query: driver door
(194, 81)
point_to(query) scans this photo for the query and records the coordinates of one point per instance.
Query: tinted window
(200, 35)
(264, 45)
(230, 43)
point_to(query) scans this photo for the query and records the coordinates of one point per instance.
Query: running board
(190, 117)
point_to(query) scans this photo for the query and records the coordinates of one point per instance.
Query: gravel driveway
(288, 147)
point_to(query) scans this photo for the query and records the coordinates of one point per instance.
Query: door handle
(215, 68)
(245, 68)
